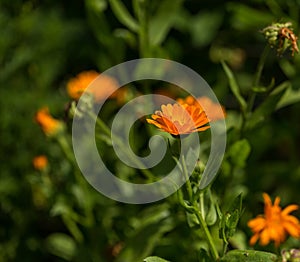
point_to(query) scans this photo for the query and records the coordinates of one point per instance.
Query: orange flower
(40, 162)
(179, 119)
(101, 87)
(213, 110)
(49, 125)
(275, 224)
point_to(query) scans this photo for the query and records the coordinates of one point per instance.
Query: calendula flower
(180, 119)
(213, 110)
(275, 224)
(40, 162)
(100, 86)
(49, 125)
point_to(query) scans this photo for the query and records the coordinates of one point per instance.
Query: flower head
(179, 119)
(281, 36)
(40, 162)
(102, 86)
(275, 224)
(213, 110)
(49, 125)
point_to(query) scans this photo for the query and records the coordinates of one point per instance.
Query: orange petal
(289, 209)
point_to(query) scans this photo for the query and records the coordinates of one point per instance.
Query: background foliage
(44, 43)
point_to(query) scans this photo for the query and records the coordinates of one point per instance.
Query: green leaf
(192, 219)
(290, 97)
(268, 106)
(61, 245)
(247, 18)
(239, 152)
(123, 15)
(211, 216)
(155, 259)
(208, 22)
(161, 23)
(149, 227)
(234, 86)
(142, 243)
(230, 219)
(236, 204)
(249, 256)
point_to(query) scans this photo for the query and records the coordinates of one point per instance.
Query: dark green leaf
(239, 152)
(249, 256)
(234, 86)
(230, 219)
(160, 24)
(142, 243)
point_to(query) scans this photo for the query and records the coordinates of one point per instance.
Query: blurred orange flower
(101, 87)
(49, 125)
(40, 162)
(179, 119)
(213, 110)
(275, 224)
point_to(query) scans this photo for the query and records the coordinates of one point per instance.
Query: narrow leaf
(234, 86)
(161, 23)
(123, 15)
(290, 97)
(268, 106)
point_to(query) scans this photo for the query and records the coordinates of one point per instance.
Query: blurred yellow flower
(213, 110)
(49, 125)
(102, 86)
(179, 119)
(40, 162)
(275, 224)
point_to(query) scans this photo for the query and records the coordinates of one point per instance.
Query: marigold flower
(275, 224)
(102, 86)
(213, 110)
(40, 162)
(179, 119)
(49, 125)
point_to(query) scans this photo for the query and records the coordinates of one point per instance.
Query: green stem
(202, 204)
(194, 209)
(225, 246)
(207, 233)
(257, 76)
(62, 140)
